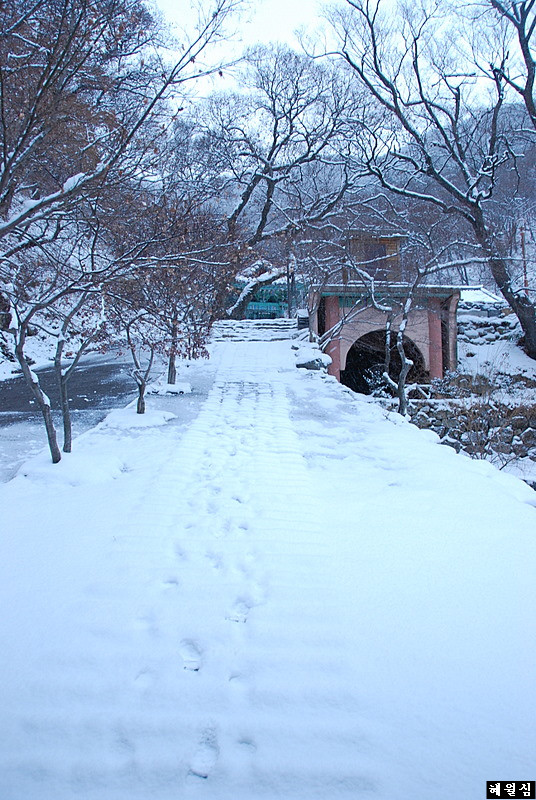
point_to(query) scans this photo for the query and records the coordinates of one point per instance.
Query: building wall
(370, 319)
(432, 329)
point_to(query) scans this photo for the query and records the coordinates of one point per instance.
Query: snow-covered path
(291, 597)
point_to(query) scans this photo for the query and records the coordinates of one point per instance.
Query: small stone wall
(486, 323)
(479, 428)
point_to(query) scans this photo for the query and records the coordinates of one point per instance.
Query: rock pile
(487, 329)
(480, 428)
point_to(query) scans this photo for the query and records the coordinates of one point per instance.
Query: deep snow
(280, 592)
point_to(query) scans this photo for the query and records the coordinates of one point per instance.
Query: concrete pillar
(434, 331)
(333, 349)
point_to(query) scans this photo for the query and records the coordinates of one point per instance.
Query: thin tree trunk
(172, 370)
(63, 378)
(41, 399)
(140, 375)
(64, 399)
(387, 360)
(140, 406)
(407, 364)
(66, 416)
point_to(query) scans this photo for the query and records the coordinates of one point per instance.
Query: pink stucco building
(357, 341)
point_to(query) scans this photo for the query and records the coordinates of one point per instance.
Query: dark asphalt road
(96, 387)
(93, 385)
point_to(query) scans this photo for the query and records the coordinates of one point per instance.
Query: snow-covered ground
(496, 358)
(513, 374)
(39, 348)
(101, 383)
(280, 592)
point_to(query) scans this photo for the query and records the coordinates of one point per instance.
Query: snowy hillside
(267, 588)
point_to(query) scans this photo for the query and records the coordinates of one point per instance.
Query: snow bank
(180, 387)
(312, 358)
(128, 418)
(95, 459)
(75, 469)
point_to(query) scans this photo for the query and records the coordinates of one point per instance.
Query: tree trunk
(140, 407)
(520, 304)
(387, 357)
(407, 364)
(172, 369)
(51, 433)
(524, 310)
(66, 417)
(64, 400)
(41, 400)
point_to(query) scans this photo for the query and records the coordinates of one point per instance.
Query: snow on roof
(477, 294)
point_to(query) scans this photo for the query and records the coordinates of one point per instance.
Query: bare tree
(56, 289)
(292, 118)
(78, 323)
(145, 339)
(517, 68)
(79, 80)
(84, 108)
(437, 143)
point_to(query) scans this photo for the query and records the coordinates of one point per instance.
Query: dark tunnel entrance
(366, 358)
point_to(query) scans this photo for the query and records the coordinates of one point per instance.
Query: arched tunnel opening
(366, 358)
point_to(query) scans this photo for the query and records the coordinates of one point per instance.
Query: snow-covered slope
(294, 595)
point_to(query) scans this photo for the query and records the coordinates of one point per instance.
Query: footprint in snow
(248, 745)
(215, 560)
(191, 655)
(240, 611)
(144, 679)
(171, 583)
(206, 755)
(180, 553)
(148, 623)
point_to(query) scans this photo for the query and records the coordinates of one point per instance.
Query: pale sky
(263, 21)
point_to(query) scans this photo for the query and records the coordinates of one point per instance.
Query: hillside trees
(444, 139)
(281, 149)
(79, 80)
(184, 279)
(84, 112)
